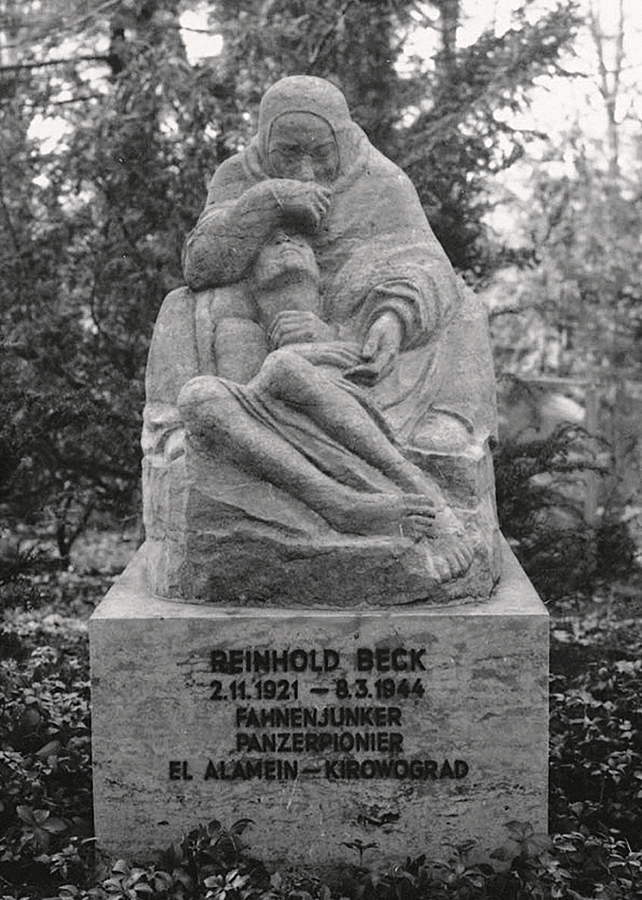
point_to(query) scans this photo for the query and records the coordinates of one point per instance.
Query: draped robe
(376, 252)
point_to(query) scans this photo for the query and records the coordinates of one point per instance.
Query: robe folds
(375, 251)
(209, 517)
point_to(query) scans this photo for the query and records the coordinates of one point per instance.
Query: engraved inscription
(235, 662)
(267, 689)
(318, 713)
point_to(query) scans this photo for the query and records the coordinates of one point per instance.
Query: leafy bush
(540, 496)
(33, 576)
(45, 765)
(596, 751)
(46, 845)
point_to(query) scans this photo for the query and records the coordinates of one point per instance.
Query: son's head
(285, 277)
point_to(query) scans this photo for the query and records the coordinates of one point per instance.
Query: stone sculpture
(320, 397)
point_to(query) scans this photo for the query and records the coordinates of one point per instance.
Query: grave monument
(324, 630)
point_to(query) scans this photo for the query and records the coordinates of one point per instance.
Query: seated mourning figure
(320, 397)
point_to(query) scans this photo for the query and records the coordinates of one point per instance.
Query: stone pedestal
(408, 727)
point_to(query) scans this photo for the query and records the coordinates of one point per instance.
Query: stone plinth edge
(410, 727)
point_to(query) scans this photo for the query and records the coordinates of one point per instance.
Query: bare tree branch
(17, 67)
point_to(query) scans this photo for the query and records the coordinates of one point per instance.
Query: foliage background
(92, 224)
(91, 227)
(594, 851)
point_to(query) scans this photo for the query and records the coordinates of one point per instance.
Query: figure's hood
(307, 94)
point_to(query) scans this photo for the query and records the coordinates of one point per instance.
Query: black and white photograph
(321, 450)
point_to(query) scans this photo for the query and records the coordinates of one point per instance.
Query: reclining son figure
(321, 396)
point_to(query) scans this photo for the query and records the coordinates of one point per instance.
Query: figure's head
(302, 145)
(283, 261)
(305, 130)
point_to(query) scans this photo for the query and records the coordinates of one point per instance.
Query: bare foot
(448, 558)
(404, 515)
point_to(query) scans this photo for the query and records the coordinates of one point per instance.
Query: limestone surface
(320, 395)
(410, 728)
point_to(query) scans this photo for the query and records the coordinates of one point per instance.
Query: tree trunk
(450, 13)
(609, 73)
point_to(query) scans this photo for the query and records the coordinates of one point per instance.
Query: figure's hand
(380, 350)
(296, 326)
(304, 204)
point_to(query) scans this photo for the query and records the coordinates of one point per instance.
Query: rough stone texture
(480, 724)
(205, 553)
(320, 387)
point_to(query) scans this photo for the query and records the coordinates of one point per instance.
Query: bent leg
(301, 385)
(215, 419)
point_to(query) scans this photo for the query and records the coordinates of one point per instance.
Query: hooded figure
(376, 253)
(393, 348)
